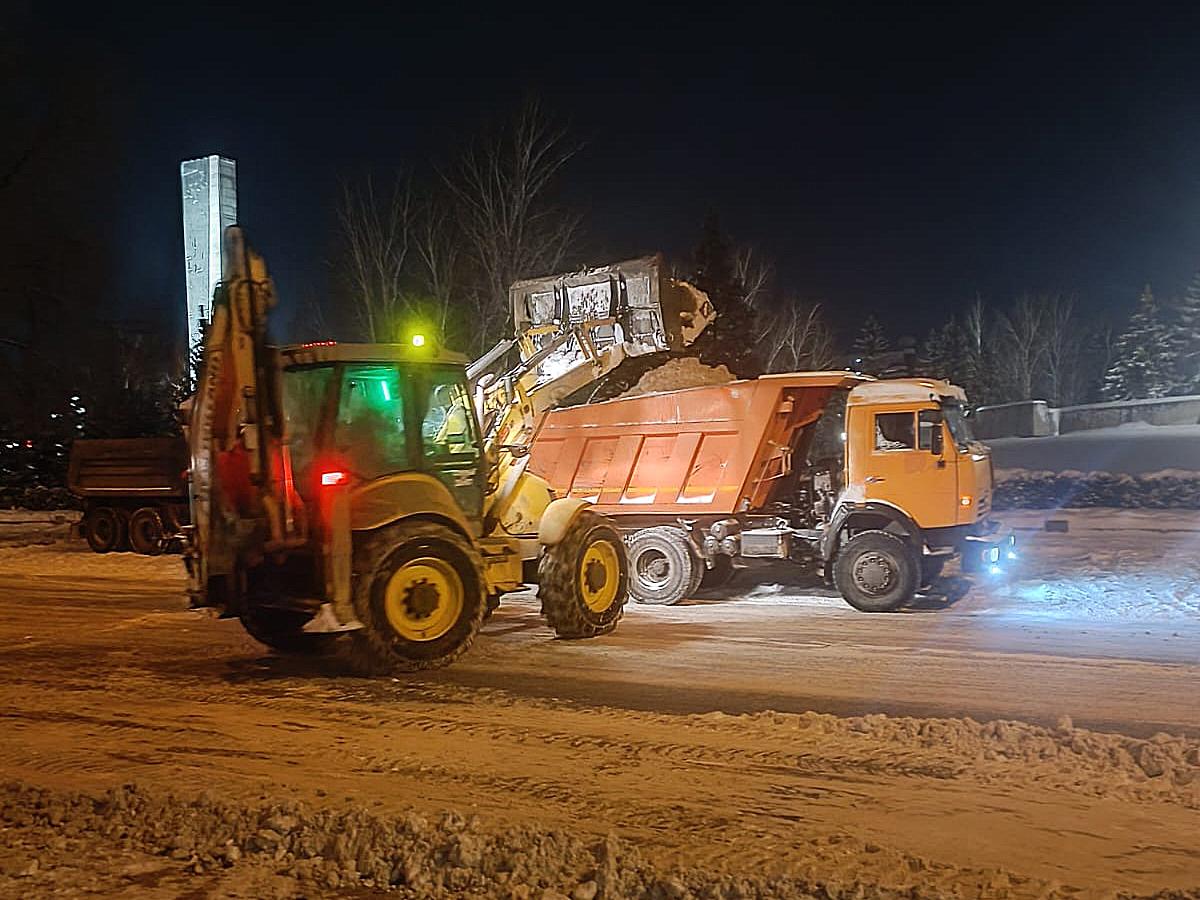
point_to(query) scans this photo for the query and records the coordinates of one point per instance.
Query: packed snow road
(1102, 624)
(694, 734)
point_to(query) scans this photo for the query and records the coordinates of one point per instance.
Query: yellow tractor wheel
(419, 593)
(583, 581)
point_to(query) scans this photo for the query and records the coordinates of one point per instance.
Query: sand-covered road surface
(1039, 737)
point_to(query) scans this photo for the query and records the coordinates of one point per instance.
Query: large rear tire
(283, 631)
(876, 571)
(662, 568)
(104, 529)
(583, 581)
(147, 534)
(419, 593)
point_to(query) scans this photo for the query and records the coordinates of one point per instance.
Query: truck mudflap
(992, 550)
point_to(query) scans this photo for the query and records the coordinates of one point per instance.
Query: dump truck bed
(705, 450)
(128, 467)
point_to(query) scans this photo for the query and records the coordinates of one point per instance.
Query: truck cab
(912, 467)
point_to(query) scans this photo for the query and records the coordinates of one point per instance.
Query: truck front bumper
(993, 550)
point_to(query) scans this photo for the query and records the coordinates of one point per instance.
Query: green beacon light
(418, 340)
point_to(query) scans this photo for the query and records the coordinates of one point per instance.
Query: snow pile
(289, 849)
(21, 527)
(1163, 768)
(1026, 489)
(37, 497)
(71, 559)
(677, 374)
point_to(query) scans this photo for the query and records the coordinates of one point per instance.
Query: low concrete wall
(1159, 411)
(1034, 418)
(1028, 418)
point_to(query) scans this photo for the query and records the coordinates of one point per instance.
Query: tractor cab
(356, 413)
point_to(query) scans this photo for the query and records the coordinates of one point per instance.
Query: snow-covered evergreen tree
(870, 346)
(1141, 360)
(1183, 340)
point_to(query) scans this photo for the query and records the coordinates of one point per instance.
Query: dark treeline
(1048, 347)
(433, 248)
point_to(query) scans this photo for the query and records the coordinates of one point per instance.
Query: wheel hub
(421, 599)
(599, 576)
(653, 567)
(594, 576)
(873, 573)
(424, 599)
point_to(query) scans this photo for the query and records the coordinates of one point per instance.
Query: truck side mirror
(937, 442)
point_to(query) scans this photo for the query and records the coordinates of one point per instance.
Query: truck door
(907, 465)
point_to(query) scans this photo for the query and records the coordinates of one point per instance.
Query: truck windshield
(956, 419)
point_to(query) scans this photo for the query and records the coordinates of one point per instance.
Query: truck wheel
(104, 529)
(147, 535)
(662, 565)
(283, 630)
(720, 573)
(583, 581)
(931, 569)
(876, 571)
(419, 593)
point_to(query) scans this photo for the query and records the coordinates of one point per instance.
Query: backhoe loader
(346, 494)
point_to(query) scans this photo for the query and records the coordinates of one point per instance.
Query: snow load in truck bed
(678, 374)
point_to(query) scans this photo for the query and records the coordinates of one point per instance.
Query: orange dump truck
(874, 483)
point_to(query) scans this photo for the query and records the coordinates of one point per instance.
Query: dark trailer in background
(134, 491)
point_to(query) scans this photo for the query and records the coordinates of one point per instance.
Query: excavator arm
(240, 506)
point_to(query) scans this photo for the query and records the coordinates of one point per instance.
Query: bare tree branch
(753, 273)
(1061, 336)
(795, 337)
(511, 231)
(377, 232)
(1024, 346)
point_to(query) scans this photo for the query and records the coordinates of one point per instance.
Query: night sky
(899, 162)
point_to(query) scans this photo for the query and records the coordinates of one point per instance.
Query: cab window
(894, 431)
(448, 427)
(370, 429)
(304, 394)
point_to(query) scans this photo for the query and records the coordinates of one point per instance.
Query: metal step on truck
(874, 484)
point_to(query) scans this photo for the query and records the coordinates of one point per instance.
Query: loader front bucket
(626, 309)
